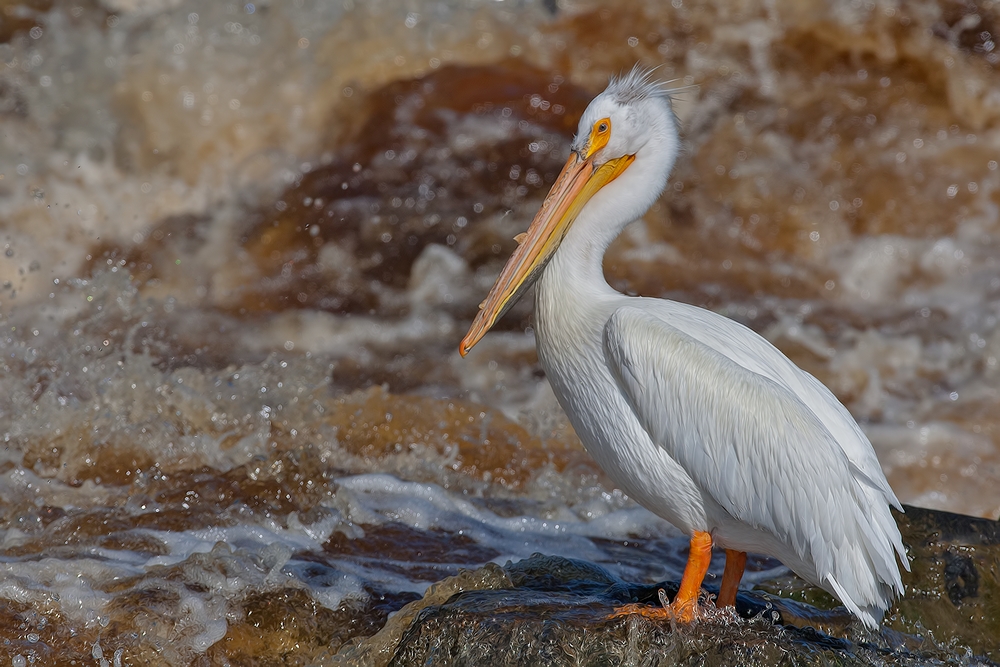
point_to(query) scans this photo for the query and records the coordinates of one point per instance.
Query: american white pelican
(695, 416)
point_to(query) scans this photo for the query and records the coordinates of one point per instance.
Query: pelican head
(621, 156)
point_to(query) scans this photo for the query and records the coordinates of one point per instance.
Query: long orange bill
(578, 181)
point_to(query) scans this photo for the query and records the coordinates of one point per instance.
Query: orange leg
(735, 562)
(685, 604)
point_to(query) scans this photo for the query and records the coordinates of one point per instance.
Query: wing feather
(742, 346)
(753, 445)
(749, 350)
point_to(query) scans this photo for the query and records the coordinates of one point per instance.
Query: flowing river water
(241, 242)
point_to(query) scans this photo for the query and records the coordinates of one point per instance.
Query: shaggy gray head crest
(637, 85)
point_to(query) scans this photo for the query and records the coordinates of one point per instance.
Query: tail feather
(865, 575)
(870, 616)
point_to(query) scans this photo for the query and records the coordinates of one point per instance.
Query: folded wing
(756, 444)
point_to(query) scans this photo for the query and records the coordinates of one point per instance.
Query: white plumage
(695, 416)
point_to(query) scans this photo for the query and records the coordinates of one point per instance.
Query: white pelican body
(695, 416)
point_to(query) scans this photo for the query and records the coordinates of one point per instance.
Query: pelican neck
(576, 274)
(572, 301)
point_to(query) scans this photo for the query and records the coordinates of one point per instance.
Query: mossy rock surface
(953, 588)
(558, 611)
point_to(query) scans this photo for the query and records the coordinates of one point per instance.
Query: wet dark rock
(961, 577)
(953, 591)
(558, 611)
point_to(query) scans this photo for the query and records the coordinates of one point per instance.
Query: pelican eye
(599, 135)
